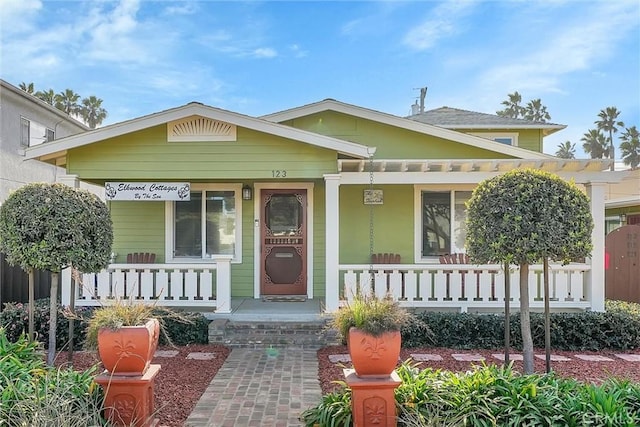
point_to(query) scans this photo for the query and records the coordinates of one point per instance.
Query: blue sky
(256, 58)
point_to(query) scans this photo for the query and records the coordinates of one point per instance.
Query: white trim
(169, 224)
(196, 109)
(459, 177)
(198, 129)
(417, 219)
(332, 242)
(596, 291)
(257, 187)
(493, 135)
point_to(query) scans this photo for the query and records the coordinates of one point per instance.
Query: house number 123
(279, 173)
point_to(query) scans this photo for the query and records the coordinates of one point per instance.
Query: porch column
(332, 242)
(70, 180)
(595, 277)
(223, 284)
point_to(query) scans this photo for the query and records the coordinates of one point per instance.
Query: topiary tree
(524, 217)
(52, 227)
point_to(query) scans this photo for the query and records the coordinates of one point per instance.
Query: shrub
(33, 394)
(617, 329)
(188, 328)
(493, 395)
(14, 318)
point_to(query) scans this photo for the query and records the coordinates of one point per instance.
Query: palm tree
(512, 105)
(566, 150)
(608, 123)
(27, 87)
(92, 112)
(630, 147)
(48, 96)
(67, 101)
(595, 144)
(536, 112)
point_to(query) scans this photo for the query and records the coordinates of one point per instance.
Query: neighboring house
(293, 203)
(26, 121)
(623, 201)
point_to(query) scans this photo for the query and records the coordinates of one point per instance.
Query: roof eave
(156, 119)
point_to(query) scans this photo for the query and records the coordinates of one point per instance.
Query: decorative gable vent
(196, 128)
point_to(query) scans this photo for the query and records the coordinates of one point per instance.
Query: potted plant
(371, 327)
(126, 335)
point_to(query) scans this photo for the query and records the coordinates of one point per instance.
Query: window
(502, 137)
(440, 232)
(206, 226)
(33, 133)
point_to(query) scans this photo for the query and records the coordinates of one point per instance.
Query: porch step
(310, 334)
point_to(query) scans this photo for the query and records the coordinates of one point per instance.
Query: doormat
(284, 298)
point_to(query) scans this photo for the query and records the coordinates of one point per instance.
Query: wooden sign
(148, 191)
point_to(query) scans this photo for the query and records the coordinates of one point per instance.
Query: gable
(55, 151)
(392, 142)
(312, 113)
(149, 155)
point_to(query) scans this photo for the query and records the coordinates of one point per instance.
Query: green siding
(319, 239)
(529, 139)
(393, 223)
(390, 142)
(137, 227)
(146, 155)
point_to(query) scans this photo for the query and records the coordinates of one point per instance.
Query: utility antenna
(420, 107)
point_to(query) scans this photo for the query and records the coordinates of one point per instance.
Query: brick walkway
(256, 387)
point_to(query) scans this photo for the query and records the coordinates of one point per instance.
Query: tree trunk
(507, 313)
(53, 318)
(525, 323)
(32, 304)
(72, 309)
(547, 317)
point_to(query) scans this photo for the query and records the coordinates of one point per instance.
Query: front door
(283, 234)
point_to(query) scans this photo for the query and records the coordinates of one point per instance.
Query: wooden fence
(14, 283)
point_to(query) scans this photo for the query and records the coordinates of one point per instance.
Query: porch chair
(462, 258)
(388, 258)
(141, 258)
(138, 258)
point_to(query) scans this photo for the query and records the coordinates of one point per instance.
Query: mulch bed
(181, 381)
(587, 371)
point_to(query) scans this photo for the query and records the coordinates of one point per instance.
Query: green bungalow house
(294, 203)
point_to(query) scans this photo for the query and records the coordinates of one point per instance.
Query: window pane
(188, 227)
(221, 223)
(436, 223)
(24, 132)
(504, 140)
(459, 221)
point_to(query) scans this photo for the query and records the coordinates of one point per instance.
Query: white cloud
(265, 52)
(443, 21)
(182, 8)
(562, 50)
(16, 15)
(297, 51)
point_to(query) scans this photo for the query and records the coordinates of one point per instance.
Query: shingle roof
(455, 118)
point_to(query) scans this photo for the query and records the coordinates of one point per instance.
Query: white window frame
(25, 140)
(170, 224)
(417, 204)
(494, 135)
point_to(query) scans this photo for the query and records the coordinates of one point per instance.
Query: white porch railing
(175, 285)
(465, 287)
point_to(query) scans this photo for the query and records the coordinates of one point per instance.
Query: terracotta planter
(373, 357)
(128, 350)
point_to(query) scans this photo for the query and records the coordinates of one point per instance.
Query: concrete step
(313, 334)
